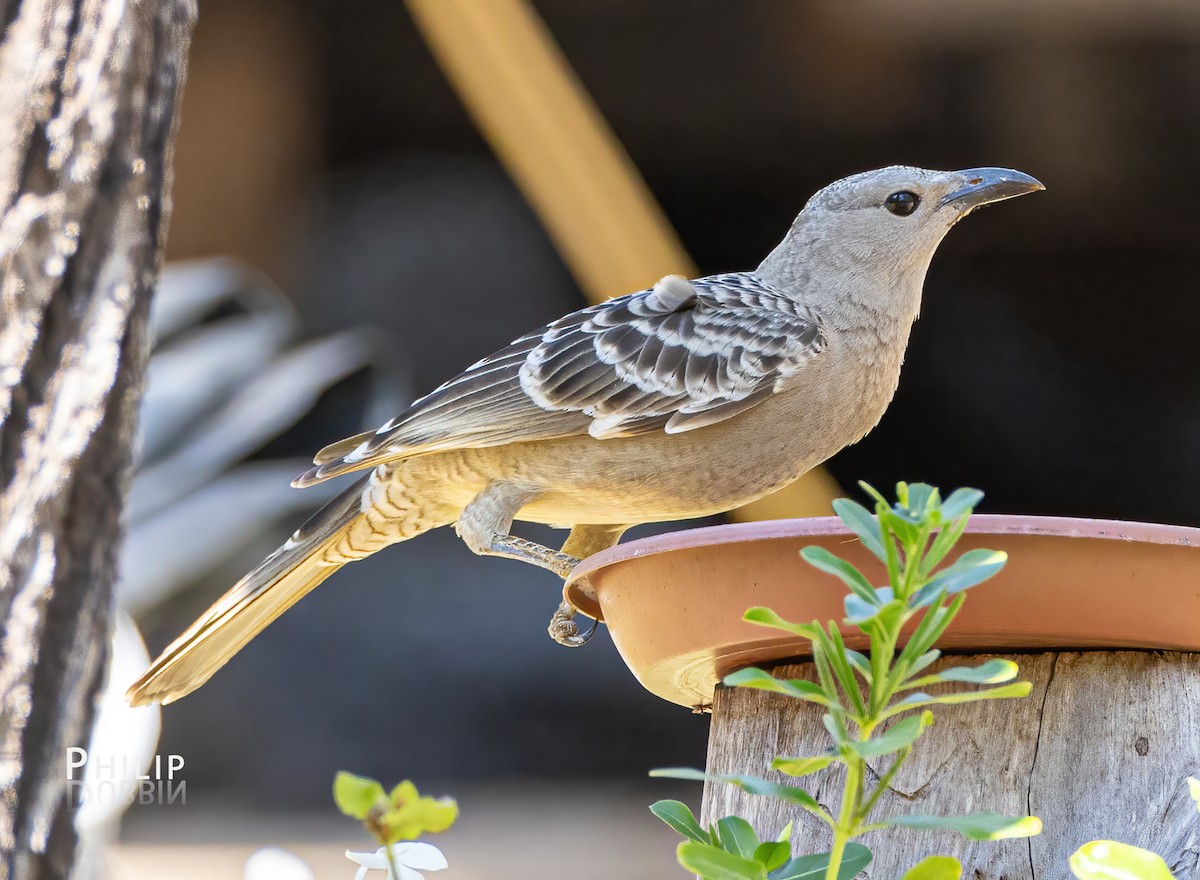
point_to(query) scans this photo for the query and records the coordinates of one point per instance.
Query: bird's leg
(484, 526)
(485, 522)
(583, 541)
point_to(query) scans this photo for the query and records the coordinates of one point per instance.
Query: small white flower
(411, 858)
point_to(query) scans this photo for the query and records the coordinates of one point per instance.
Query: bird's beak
(982, 186)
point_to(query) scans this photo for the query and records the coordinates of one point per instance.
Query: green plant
(862, 693)
(1109, 860)
(394, 818)
(731, 850)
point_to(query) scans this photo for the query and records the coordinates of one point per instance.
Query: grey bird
(684, 400)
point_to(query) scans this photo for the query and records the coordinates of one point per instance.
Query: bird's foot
(565, 631)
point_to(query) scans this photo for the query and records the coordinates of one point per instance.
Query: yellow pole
(551, 137)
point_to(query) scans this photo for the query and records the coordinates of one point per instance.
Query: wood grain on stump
(1102, 748)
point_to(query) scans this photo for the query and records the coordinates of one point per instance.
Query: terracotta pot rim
(674, 603)
(980, 524)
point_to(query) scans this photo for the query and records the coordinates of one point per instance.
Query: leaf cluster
(401, 814)
(730, 850)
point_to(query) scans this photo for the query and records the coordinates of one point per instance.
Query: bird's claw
(565, 631)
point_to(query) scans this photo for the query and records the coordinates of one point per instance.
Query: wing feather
(678, 357)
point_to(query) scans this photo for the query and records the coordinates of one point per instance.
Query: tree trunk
(89, 93)
(1101, 749)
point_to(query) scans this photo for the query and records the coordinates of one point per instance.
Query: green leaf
(835, 649)
(992, 672)
(921, 662)
(688, 773)
(922, 500)
(931, 627)
(883, 618)
(860, 521)
(861, 664)
(898, 520)
(855, 858)
(943, 542)
(736, 835)
(790, 793)
(974, 826)
(960, 502)
(748, 784)
(403, 793)
(821, 559)
(891, 550)
(920, 698)
(899, 511)
(773, 854)
(802, 766)
(859, 612)
(972, 568)
(764, 681)
(875, 493)
(837, 730)
(1109, 860)
(859, 609)
(767, 617)
(412, 814)
(681, 818)
(825, 675)
(935, 868)
(357, 795)
(898, 736)
(713, 863)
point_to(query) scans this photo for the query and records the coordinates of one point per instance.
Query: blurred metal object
(225, 378)
(553, 140)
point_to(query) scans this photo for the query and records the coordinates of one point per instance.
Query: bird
(684, 400)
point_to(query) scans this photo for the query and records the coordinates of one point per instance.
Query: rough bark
(89, 92)
(1101, 749)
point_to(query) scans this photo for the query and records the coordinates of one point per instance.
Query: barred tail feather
(278, 583)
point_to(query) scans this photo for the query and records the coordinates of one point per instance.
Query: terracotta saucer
(674, 602)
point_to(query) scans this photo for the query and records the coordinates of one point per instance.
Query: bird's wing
(674, 358)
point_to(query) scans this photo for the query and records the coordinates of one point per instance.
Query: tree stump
(89, 91)
(1101, 749)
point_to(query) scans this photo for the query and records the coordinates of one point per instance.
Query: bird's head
(889, 222)
(899, 215)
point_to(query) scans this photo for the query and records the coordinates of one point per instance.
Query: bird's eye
(902, 203)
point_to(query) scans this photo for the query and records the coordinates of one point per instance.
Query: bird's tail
(321, 546)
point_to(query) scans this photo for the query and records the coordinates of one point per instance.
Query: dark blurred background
(1055, 363)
